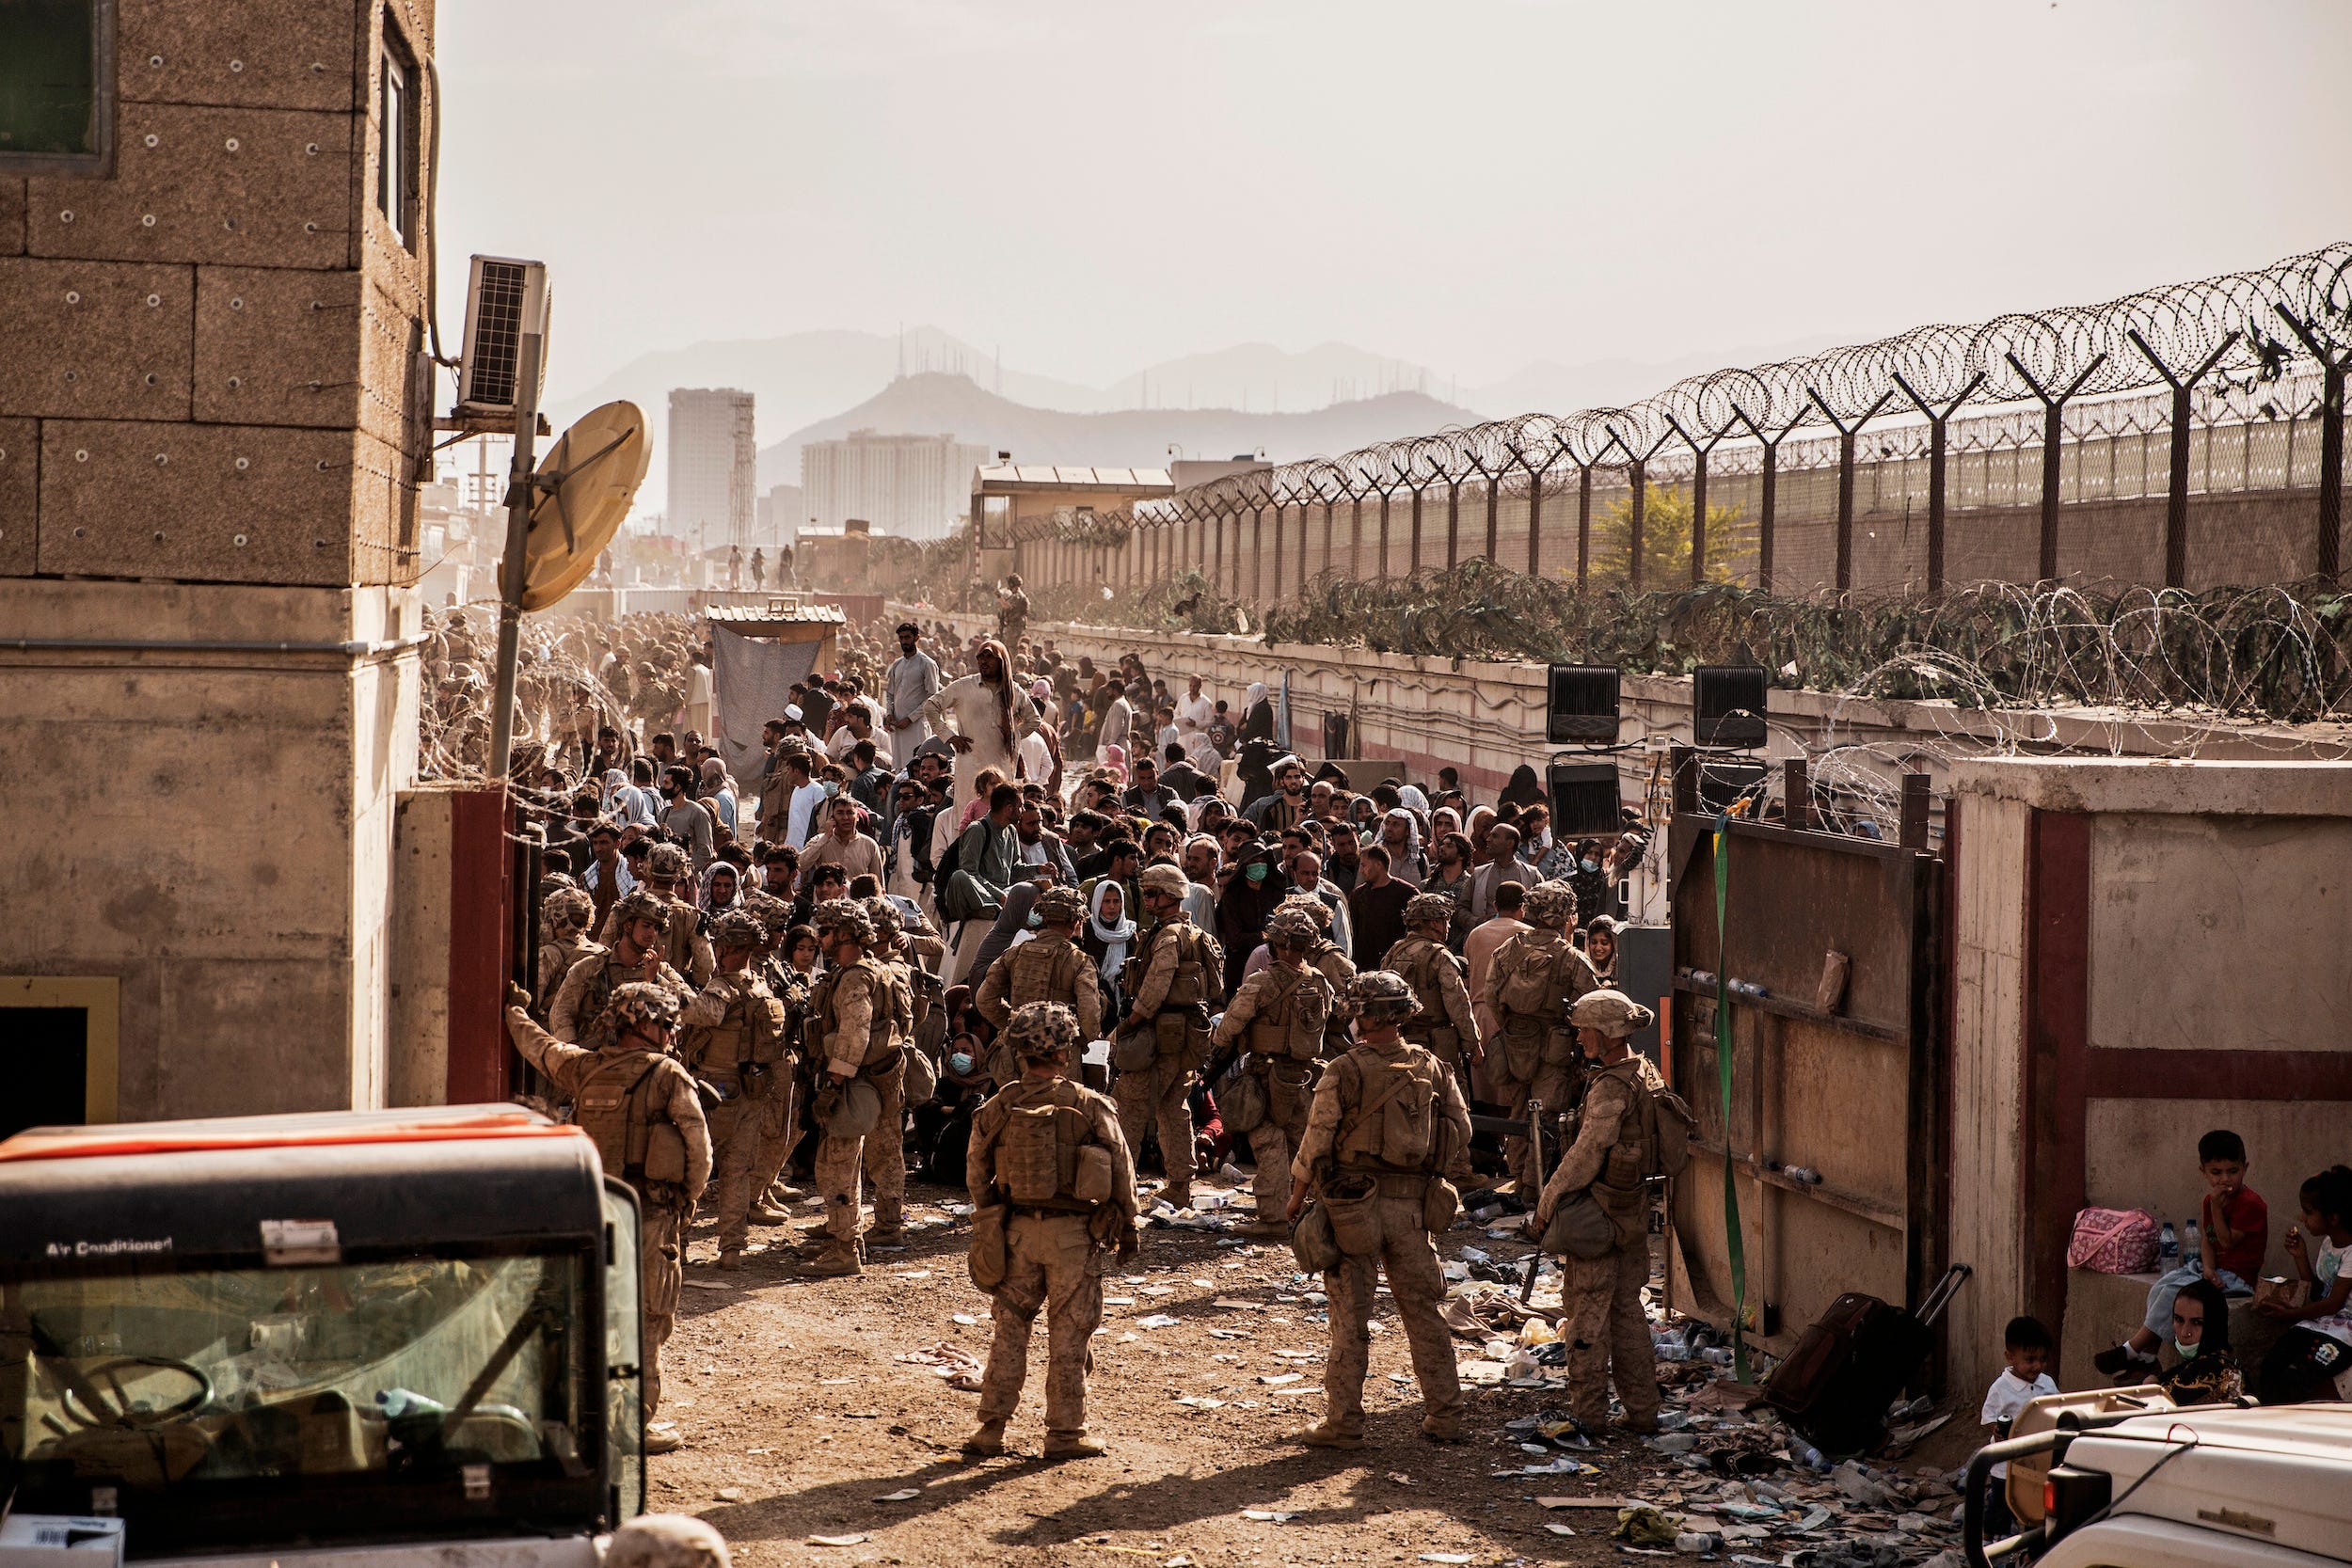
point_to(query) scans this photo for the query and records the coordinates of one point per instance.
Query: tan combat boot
(832, 1262)
(731, 1258)
(1072, 1446)
(987, 1439)
(1442, 1430)
(1323, 1435)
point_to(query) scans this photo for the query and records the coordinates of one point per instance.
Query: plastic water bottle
(2196, 1241)
(2169, 1247)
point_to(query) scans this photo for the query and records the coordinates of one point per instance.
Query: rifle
(1535, 1164)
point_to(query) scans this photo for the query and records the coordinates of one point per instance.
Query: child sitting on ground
(2025, 1347)
(2312, 1352)
(2233, 1233)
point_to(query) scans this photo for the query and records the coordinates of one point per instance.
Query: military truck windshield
(440, 1375)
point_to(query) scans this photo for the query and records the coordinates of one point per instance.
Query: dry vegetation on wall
(2276, 652)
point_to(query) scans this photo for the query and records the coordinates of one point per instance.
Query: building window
(57, 87)
(396, 141)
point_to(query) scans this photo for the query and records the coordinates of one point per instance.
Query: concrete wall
(195, 826)
(213, 414)
(2146, 951)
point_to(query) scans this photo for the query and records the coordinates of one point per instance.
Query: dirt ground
(798, 1423)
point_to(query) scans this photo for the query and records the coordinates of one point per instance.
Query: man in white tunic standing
(983, 716)
(912, 680)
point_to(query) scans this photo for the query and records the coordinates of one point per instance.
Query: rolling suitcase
(1835, 1388)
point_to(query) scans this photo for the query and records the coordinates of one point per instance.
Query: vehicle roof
(148, 1193)
(2322, 1432)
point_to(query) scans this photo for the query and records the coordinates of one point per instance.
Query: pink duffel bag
(2113, 1241)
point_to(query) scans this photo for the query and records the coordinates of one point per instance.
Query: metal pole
(520, 491)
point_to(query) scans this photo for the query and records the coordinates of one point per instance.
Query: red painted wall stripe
(480, 946)
(2142, 1073)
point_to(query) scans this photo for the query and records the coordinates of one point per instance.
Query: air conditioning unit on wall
(505, 298)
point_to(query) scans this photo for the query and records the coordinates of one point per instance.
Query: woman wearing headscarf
(1257, 718)
(1600, 948)
(1107, 936)
(1524, 789)
(2207, 1371)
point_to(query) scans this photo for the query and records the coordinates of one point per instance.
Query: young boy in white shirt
(2025, 1347)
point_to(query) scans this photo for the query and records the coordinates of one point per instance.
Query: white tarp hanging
(751, 680)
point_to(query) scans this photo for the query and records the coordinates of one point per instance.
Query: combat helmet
(738, 929)
(640, 904)
(1550, 905)
(1165, 879)
(846, 916)
(1423, 908)
(1309, 905)
(567, 905)
(1379, 996)
(1291, 927)
(640, 1008)
(1060, 906)
(667, 863)
(1613, 1012)
(1040, 1031)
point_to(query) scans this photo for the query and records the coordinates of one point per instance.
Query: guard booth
(1829, 1112)
(756, 652)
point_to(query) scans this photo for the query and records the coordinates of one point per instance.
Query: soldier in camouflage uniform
(854, 1033)
(1325, 957)
(885, 1157)
(732, 1042)
(1050, 1155)
(564, 917)
(1385, 1120)
(1535, 977)
(637, 922)
(1602, 1297)
(1443, 1022)
(1165, 1037)
(1282, 1012)
(779, 1125)
(1051, 967)
(687, 942)
(639, 1105)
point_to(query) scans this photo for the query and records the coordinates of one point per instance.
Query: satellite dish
(586, 482)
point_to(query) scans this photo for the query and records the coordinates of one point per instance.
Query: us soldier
(1283, 1011)
(1052, 967)
(1325, 957)
(1616, 1150)
(732, 1042)
(1165, 1037)
(637, 922)
(1050, 1153)
(855, 1052)
(779, 1127)
(885, 1154)
(1387, 1118)
(1535, 978)
(638, 1104)
(565, 917)
(688, 944)
(1443, 1022)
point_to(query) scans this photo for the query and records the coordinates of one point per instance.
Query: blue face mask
(1035, 920)
(833, 787)
(961, 1065)
(1589, 867)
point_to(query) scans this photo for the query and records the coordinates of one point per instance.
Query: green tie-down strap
(1723, 1072)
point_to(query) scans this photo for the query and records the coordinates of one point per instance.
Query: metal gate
(1835, 1090)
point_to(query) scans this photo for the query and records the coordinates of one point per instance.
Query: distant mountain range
(1243, 399)
(1130, 438)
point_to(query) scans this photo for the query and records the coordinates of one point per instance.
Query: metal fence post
(2331, 368)
(2053, 453)
(1939, 448)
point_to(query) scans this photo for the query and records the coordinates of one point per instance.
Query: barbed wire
(2232, 333)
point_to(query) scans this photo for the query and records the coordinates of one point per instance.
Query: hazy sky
(1471, 184)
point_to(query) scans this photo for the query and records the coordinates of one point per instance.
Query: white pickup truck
(2124, 1478)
